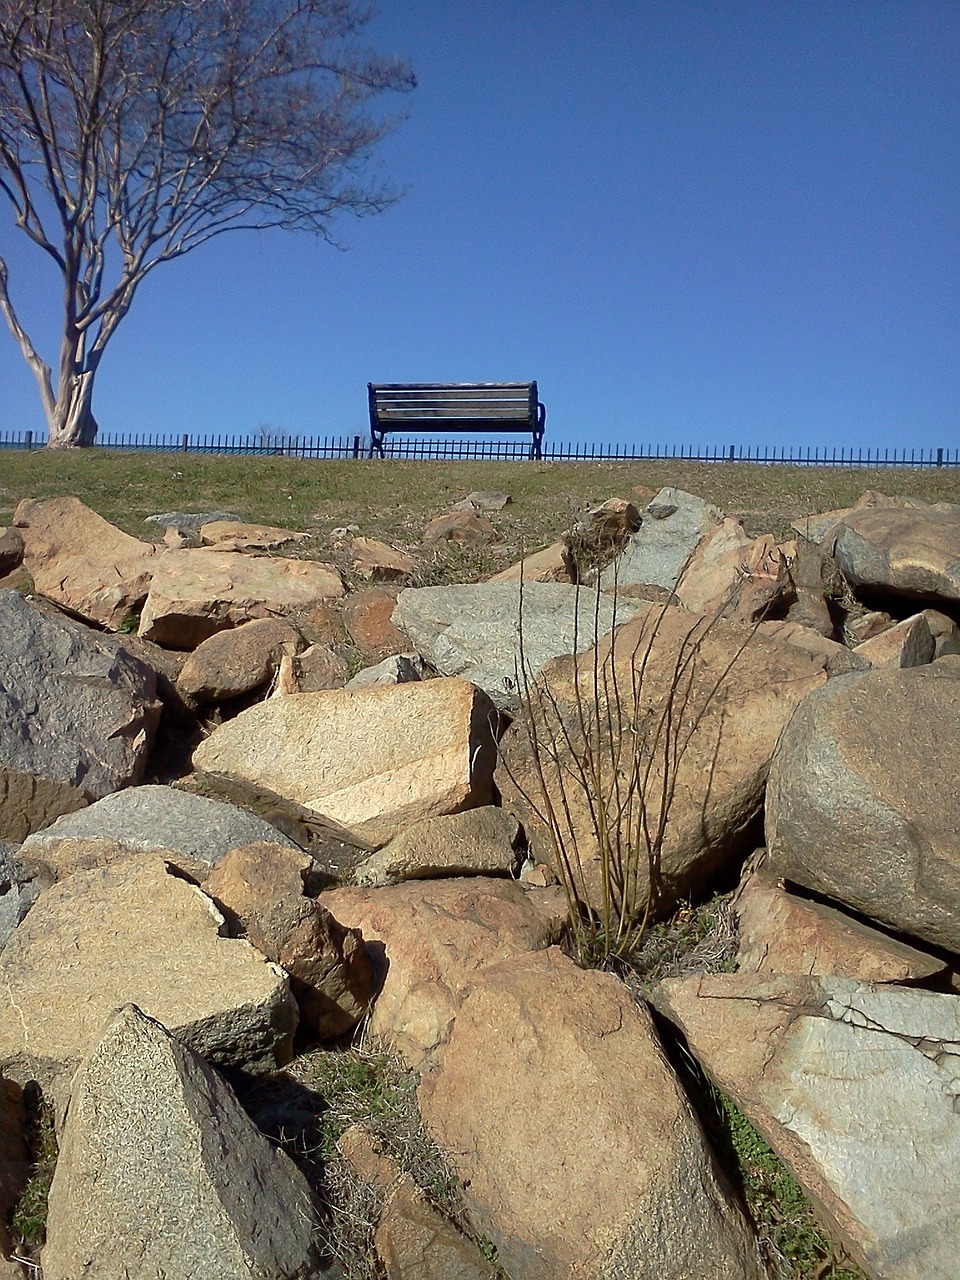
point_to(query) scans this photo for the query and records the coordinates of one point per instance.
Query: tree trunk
(70, 423)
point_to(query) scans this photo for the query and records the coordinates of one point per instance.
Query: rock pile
(389, 788)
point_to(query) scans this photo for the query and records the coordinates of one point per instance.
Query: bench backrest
(466, 406)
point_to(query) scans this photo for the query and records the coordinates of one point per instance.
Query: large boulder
(913, 552)
(578, 1150)
(475, 630)
(83, 562)
(435, 937)
(736, 576)
(132, 932)
(675, 711)
(195, 593)
(150, 819)
(77, 716)
(331, 974)
(372, 761)
(854, 1086)
(673, 524)
(863, 803)
(162, 1173)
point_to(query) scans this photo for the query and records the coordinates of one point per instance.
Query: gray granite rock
(673, 525)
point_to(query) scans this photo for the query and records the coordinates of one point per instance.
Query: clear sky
(692, 221)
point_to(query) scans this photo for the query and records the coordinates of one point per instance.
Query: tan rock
(236, 535)
(83, 562)
(372, 760)
(608, 525)
(195, 594)
(733, 690)
(436, 936)
(233, 662)
(331, 974)
(810, 609)
(735, 576)
(908, 644)
(780, 932)
(476, 842)
(319, 667)
(468, 528)
(906, 551)
(553, 564)
(380, 562)
(945, 632)
(578, 1151)
(854, 1086)
(131, 932)
(866, 626)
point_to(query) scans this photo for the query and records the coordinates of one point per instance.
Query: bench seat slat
(455, 407)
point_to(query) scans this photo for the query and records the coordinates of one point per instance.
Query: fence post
(939, 457)
(356, 446)
(731, 453)
(28, 439)
(184, 442)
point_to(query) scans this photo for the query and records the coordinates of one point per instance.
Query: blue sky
(692, 221)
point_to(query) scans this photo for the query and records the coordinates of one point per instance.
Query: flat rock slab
(434, 937)
(780, 932)
(77, 716)
(235, 535)
(195, 593)
(154, 818)
(579, 1153)
(161, 1173)
(131, 932)
(855, 1087)
(83, 562)
(474, 631)
(482, 841)
(863, 802)
(371, 761)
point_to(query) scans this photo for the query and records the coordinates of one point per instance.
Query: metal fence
(459, 449)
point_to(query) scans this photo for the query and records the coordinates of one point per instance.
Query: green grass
(28, 1221)
(394, 500)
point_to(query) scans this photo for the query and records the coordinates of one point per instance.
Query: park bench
(454, 407)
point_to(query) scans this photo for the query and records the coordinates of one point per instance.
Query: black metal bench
(455, 406)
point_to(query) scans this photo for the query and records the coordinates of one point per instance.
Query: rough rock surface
(904, 551)
(161, 1173)
(673, 524)
(855, 1087)
(467, 528)
(236, 535)
(367, 617)
(553, 564)
(379, 562)
(77, 717)
(195, 593)
(908, 644)
(331, 974)
(190, 521)
(373, 761)
(474, 630)
(732, 694)
(780, 932)
(18, 891)
(435, 936)
(131, 932)
(482, 841)
(153, 818)
(736, 576)
(233, 662)
(863, 803)
(14, 1161)
(82, 562)
(400, 669)
(11, 550)
(578, 1150)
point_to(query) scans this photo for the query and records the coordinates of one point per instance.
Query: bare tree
(132, 131)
